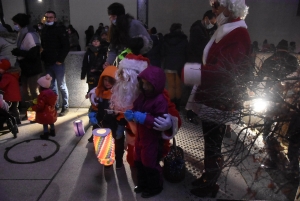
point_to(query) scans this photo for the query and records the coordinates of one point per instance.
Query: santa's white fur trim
(192, 74)
(133, 64)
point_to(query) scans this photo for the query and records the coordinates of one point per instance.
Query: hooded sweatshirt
(154, 105)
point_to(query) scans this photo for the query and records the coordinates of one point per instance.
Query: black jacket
(174, 51)
(93, 61)
(199, 37)
(31, 64)
(55, 44)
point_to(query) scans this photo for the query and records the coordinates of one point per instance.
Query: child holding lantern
(149, 105)
(45, 106)
(105, 117)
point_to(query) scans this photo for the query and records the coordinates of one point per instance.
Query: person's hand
(105, 65)
(34, 101)
(16, 52)
(139, 117)
(128, 115)
(58, 63)
(93, 118)
(94, 99)
(163, 124)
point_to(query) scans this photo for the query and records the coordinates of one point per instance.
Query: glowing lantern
(78, 128)
(104, 146)
(31, 115)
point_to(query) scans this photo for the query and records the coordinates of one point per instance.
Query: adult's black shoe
(64, 112)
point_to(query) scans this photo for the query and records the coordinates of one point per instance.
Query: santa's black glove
(16, 52)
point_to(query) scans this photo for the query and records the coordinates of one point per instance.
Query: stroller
(6, 117)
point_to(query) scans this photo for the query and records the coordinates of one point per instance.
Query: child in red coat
(9, 83)
(45, 106)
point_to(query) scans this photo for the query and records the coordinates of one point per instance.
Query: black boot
(154, 183)
(52, 132)
(141, 177)
(119, 151)
(45, 136)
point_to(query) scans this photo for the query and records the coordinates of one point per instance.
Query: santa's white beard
(125, 90)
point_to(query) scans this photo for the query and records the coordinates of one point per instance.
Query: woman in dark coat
(174, 53)
(88, 35)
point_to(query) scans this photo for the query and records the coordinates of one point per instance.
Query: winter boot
(52, 132)
(154, 183)
(45, 136)
(207, 182)
(141, 177)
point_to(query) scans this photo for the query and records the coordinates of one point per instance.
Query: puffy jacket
(45, 107)
(9, 83)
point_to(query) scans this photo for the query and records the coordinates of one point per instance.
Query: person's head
(153, 30)
(114, 10)
(282, 46)
(4, 65)
(40, 26)
(227, 10)
(91, 28)
(95, 41)
(209, 19)
(45, 81)
(126, 89)
(20, 20)
(152, 81)
(50, 17)
(175, 27)
(103, 36)
(100, 24)
(106, 80)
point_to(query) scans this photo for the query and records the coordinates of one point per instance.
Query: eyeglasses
(215, 5)
(49, 17)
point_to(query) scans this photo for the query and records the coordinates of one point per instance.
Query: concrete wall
(92, 12)
(268, 19)
(11, 8)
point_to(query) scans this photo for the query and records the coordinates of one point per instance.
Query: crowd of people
(126, 67)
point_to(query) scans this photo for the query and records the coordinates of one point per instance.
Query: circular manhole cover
(31, 151)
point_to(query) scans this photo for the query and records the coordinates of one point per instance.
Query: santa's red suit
(214, 97)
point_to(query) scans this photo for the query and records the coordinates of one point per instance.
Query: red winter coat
(45, 107)
(225, 60)
(10, 85)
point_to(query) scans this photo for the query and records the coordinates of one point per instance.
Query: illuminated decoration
(78, 128)
(260, 105)
(104, 146)
(31, 115)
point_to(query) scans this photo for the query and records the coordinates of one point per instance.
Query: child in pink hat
(45, 106)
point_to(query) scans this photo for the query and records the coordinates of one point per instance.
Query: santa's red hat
(134, 62)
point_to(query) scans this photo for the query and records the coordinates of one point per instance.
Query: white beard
(125, 90)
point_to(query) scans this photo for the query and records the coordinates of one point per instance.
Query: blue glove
(139, 117)
(93, 118)
(128, 115)
(120, 131)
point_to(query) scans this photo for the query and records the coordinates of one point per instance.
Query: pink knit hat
(45, 81)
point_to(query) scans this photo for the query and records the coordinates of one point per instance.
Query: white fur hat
(134, 62)
(45, 81)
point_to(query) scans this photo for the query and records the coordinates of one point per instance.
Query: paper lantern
(104, 146)
(31, 115)
(78, 128)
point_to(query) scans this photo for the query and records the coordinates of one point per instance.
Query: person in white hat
(215, 99)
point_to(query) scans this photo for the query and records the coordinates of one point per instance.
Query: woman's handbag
(174, 164)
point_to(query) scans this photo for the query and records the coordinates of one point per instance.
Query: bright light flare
(260, 105)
